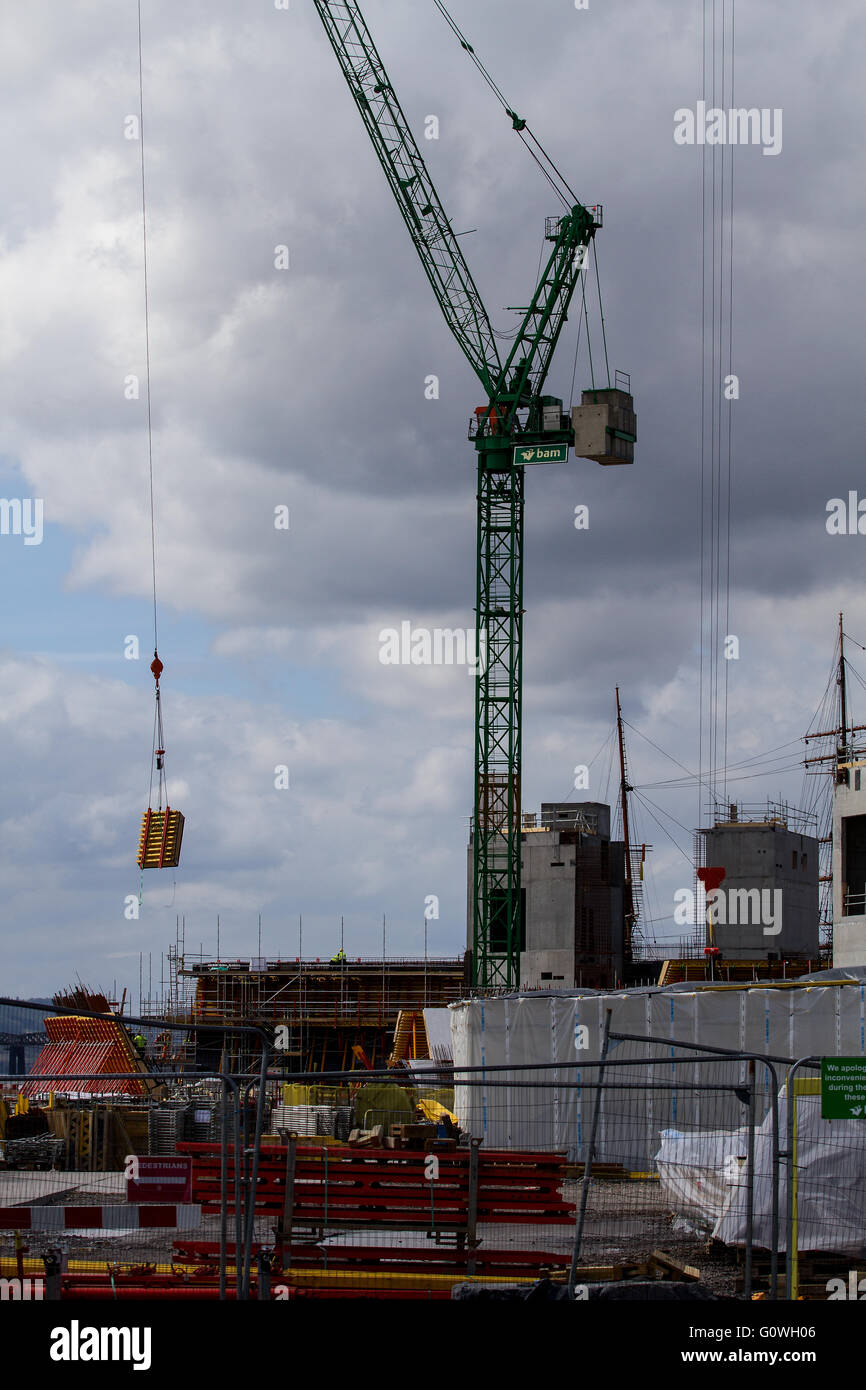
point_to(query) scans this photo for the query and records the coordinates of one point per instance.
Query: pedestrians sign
(843, 1088)
(155, 1179)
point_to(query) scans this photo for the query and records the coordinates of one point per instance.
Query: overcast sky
(306, 387)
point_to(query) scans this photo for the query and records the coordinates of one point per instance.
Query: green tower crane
(517, 425)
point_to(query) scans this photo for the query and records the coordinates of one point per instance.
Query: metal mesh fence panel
(417, 1184)
(94, 1189)
(823, 1183)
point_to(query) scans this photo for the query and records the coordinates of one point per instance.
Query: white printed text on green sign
(843, 1088)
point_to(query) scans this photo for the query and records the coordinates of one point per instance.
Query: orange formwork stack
(84, 1046)
(160, 839)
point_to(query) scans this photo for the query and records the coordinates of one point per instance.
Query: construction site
(387, 1129)
(629, 1061)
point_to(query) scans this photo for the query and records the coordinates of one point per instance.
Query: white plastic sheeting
(438, 1025)
(555, 1029)
(697, 1172)
(705, 1179)
(830, 1187)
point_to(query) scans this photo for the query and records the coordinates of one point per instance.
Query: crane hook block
(156, 667)
(159, 843)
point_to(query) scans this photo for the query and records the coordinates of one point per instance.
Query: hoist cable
(711, 347)
(588, 343)
(158, 756)
(600, 310)
(576, 351)
(550, 180)
(702, 505)
(718, 232)
(519, 125)
(558, 172)
(155, 746)
(730, 378)
(716, 425)
(147, 328)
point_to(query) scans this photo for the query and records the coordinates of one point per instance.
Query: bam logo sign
(22, 1290)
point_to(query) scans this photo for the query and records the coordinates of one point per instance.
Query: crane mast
(515, 416)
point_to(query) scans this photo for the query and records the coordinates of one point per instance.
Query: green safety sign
(843, 1088)
(541, 453)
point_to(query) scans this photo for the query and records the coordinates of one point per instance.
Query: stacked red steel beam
(341, 1185)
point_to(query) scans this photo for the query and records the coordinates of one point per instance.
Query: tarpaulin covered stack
(704, 1178)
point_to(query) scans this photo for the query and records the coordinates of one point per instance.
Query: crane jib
(403, 165)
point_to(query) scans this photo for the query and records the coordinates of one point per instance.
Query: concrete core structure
(849, 865)
(767, 905)
(572, 873)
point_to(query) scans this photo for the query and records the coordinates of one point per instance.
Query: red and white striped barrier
(116, 1218)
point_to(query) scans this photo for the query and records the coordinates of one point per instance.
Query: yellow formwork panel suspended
(160, 839)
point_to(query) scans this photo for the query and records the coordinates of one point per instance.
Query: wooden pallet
(815, 1268)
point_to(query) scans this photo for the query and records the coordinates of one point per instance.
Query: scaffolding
(336, 1013)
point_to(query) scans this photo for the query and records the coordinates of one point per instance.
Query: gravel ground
(626, 1221)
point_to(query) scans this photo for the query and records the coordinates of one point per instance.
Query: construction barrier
(200, 1186)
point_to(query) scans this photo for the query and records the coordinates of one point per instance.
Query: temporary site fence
(684, 1162)
(409, 1209)
(96, 1227)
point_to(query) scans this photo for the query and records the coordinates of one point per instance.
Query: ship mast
(844, 735)
(627, 890)
(843, 697)
(839, 759)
